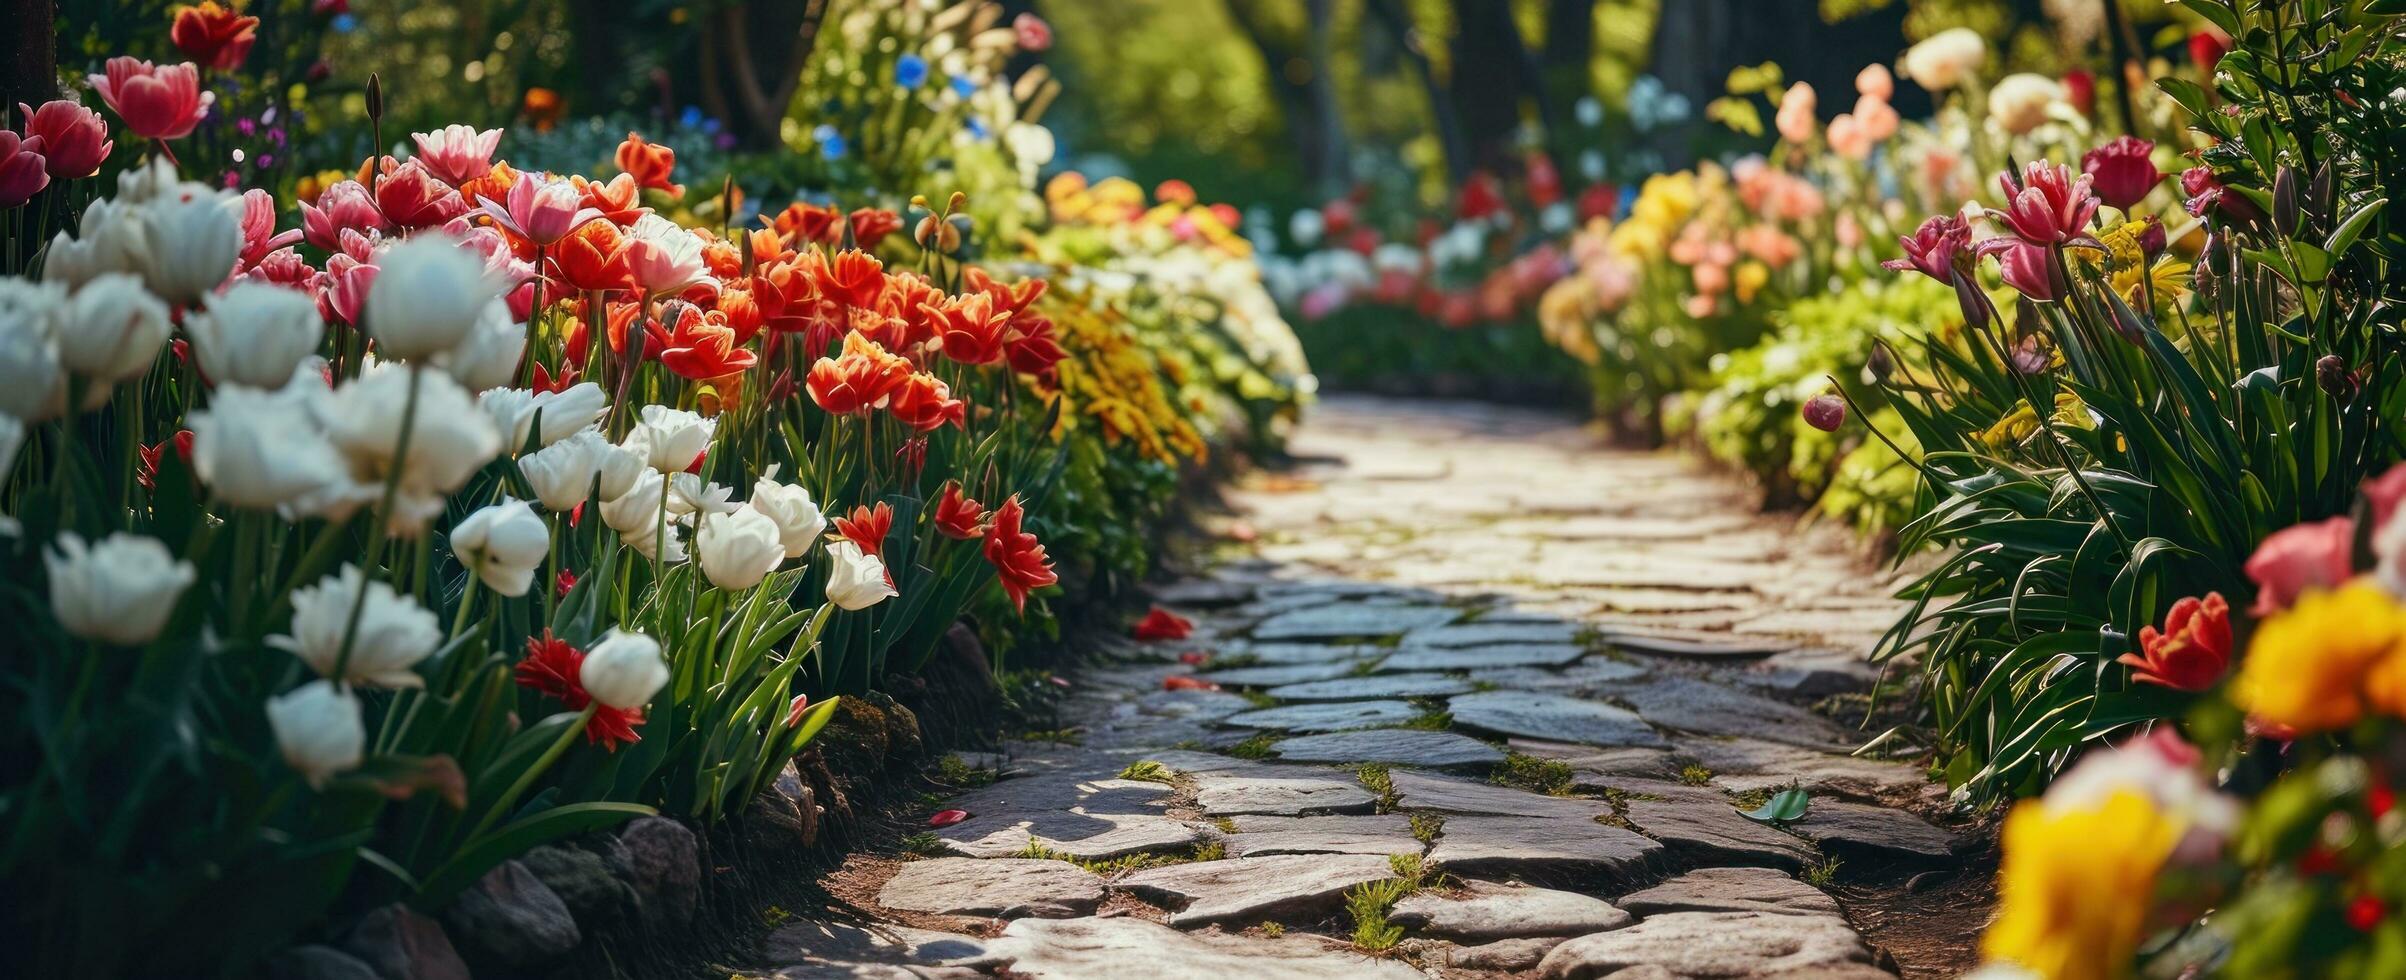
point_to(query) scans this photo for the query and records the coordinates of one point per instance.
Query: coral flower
(806, 222)
(926, 404)
(2122, 171)
(75, 140)
(868, 527)
(554, 668)
(456, 153)
(858, 381)
(1011, 298)
(957, 516)
(2307, 667)
(618, 199)
(23, 169)
(593, 258)
(2049, 206)
(2193, 649)
(157, 102)
(1162, 624)
(702, 347)
(649, 163)
(969, 329)
(2297, 559)
(411, 197)
(1016, 556)
(215, 36)
(872, 225)
(854, 278)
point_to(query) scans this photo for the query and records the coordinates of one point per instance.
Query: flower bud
(1825, 412)
(624, 670)
(2285, 205)
(1881, 363)
(502, 544)
(429, 292)
(856, 579)
(2331, 374)
(318, 729)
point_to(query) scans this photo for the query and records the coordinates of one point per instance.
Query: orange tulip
(862, 379)
(867, 527)
(701, 346)
(593, 258)
(854, 278)
(969, 329)
(957, 516)
(926, 404)
(1018, 559)
(649, 163)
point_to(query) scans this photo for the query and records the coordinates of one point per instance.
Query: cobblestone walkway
(1480, 691)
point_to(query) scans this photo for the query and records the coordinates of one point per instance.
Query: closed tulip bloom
(318, 729)
(649, 163)
(799, 520)
(33, 385)
(564, 412)
(670, 439)
(502, 544)
(262, 448)
(394, 631)
(737, 550)
(157, 102)
(344, 205)
(624, 670)
(457, 154)
(488, 357)
(118, 591)
(111, 331)
(216, 36)
(856, 579)
(2122, 171)
(254, 334)
(448, 442)
(190, 243)
(75, 140)
(639, 507)
(24, 171)
(562, 473)
(429, 293)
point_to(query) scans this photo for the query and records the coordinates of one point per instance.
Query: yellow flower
(1751, 277)
(2076, 884)
(2311, 666)
(2171, 284)
(2009, 431)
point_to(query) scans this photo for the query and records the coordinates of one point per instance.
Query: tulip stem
(527, 779)
(467, 601)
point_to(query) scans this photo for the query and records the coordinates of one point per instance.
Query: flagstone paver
(1440, 594)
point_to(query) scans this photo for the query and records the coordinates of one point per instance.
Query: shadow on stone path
(1470, 649)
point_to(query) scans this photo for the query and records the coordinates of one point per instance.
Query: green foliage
(1380, 781)
(1787, 806)
(1427, 827)
(1255, 746)
(1549, 776)
(1368, 904)
(1148, 771)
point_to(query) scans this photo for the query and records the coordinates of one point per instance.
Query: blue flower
(345, 23)
(977, 128)
(963, 87)
(691, 118)
(831, 143)
(910, 71)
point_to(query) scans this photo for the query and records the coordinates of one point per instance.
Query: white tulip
(624, 670)
(562, 473)
(263, 449)
(502, 544)
(254, 334)
(1943, 60)
(429, 292)
(639, 507)
(2021, 101)
(150, 180)
(394, 632)
(448, 442)
(687, 494)
(664, 544)
(670, 439)
(118, 591)
(488, 356)
(799, 521)
(737, 550)
(318, 729)
(111, 331)
(621, 468)
(190, 243)
(856, 579)
(564, 412)
(33, 386)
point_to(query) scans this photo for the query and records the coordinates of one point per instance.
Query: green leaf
(1785, 807)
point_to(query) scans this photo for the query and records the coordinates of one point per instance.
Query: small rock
(1490, 631)
(1372, 687)
(1248, 890)
(789, 784)
(1655, 645)
(1223, 796)
(1260, 836)
(1842, 826)
(1532, 846)
(402, 945)
(1718, 944)
(1204, 593)
(510, 916)
(1395, 746)
(836, 943)
(1086, 949)
(1003, 888)
(1731, 890)
(1491, 911)
(772, 823)
(1484, 658)
(1505, 955)
(1710, 830)
(1085, 813)
(1348, 619)
(1332, 717)
(1552, 716)
(317, 963)
(903, 739)
(1692, 705)
(583, 882)
(662, 860)
(1276, 675)
(1445, 794)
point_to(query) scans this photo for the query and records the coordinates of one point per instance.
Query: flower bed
(360, 542)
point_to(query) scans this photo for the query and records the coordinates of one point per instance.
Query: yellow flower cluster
(2324, 662)
(2127, 269)
(1111, 379)
(2074, 887)
(1664, 204)
(2018, 425)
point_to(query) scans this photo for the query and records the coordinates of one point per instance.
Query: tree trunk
(1492, 72)
(28, 58)
(1398, 22)
(1570, 44)
(1306, 104)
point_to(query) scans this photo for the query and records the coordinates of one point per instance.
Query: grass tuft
(1695, 775)
(1819, 874)
(1255, 747)
(1369, 903)
(1414, 872)
(1273, 929)
(1148, 771)
(1549, 776)
(1432, 721)
(952, 770)
(923, 844)
(1380, 781)
(1427, 827)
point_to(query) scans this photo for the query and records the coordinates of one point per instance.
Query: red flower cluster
(552, 667)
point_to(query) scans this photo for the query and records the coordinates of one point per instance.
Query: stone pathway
(1498, 690)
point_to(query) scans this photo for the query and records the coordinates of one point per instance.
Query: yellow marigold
(2075, 886)
(2309, 667)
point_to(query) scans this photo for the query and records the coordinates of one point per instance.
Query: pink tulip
(157, 102)
(1875, 82)
(457, 154)
(2295, 559)
(1796, 107)
(1032, 32)
(343, 206)
(1933, 248)
(23, 173)
(259, 235)
(412, 198)
(75, 140)
(1848, 137)
(539, 210)
(2049, 206)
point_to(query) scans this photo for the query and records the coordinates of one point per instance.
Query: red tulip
(75, 140)
(215, 36)
(2121, 171)
(957, 516)
(1032, 32)
(926, 404)
(1182, 682)
(24, 171)
(1162, 624)
(555, 669)
(2048, 206)
(1016, 556)
(868, 527)
(2206, 48)
(1030, 347)
(649, 163)
(2192, 650)
(854, 278)
(411, 197)
(157, 102)
(701, 346)
(969, 329)
(1825, 412)
(872, 225)
(862, 379)
(593, 258)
